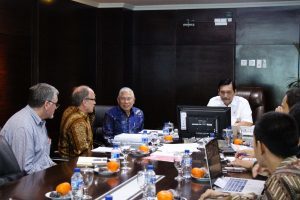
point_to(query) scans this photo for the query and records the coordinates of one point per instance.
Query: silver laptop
(227, 184)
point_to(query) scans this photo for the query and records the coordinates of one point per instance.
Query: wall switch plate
(258, 63)
(244, 63)
(252, 63)
(264, 63)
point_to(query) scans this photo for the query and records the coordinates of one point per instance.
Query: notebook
(228, 184)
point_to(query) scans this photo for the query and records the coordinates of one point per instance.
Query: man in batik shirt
(76, 135)
(275, 147)
(123, 118)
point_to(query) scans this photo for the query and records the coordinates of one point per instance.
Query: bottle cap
(150, 167)
(144, 131)
(186, 151)
(108, 197)
(76, 169)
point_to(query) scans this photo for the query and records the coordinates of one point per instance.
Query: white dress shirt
(240, 108)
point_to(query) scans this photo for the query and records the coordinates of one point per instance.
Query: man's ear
(260, 148)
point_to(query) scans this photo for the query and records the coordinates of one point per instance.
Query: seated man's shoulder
(137, 111)
(114, 110)
(215, 98)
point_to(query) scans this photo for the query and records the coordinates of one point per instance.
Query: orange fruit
(144, 148)
(63, 188)
(113, 166)
(238, 141)
(168, 138)
(164, 195)
(198, 172)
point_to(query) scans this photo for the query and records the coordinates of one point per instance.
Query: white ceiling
(185, 4)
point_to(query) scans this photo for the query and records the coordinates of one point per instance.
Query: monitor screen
(202, 121)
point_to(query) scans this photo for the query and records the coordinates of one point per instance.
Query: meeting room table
(36, 185)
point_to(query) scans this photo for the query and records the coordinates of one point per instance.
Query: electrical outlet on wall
(251, 63)
(264, 63)
(244, 63)
(258, 63)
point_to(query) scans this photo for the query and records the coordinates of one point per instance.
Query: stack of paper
(91, 161)
(130, 138)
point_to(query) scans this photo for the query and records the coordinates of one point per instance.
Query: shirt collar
(131, 111)
(233, 102)
(35, 116)
(287, 161)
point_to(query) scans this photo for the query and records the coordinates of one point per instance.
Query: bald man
(123, 118)
(76, 137)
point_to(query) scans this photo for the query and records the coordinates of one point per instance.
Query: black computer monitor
(202, 121)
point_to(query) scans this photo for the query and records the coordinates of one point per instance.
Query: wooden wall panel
(67, 51)
(114, 69)
(15, 57)
(172, 63)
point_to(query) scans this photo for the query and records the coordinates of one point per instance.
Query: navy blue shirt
(116, 121)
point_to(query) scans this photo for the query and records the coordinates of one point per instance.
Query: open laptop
(228, 184)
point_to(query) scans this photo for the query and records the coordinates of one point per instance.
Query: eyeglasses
(125, 98)
(56, 104)
(92, 99)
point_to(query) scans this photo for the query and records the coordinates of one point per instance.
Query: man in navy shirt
(123, 118)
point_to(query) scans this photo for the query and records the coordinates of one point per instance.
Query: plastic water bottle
(108, 197)
(145, 137)
(115, 152)
(77, 184)
(187, 164)
(150, 183)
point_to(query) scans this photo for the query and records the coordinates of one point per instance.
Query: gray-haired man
(26, 131)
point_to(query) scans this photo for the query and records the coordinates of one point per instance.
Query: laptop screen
(213, 159)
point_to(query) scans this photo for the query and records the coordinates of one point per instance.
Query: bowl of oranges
(62, 192)
(142, 150)
(111, 168)
(200, 174)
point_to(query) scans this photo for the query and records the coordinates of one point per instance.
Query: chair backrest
(9, 167)
(256, 98)
(100, 111)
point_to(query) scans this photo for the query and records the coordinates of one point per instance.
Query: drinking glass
(154, 138)
(178, 163)
(125, 148)
(88, 176)
(141, 180)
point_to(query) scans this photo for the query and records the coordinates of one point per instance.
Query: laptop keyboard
(235, 185)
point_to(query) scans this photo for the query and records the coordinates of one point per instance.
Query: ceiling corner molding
(88, 2)
(116, 5)
(216, 5)
(190, 6)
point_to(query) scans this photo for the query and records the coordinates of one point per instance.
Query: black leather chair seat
(256, 98)
(9, 167)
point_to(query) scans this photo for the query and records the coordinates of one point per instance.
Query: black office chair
(9, 167)
(100, 111)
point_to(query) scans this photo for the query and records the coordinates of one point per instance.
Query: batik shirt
(76, 134)
(283, 184)
(116, 121)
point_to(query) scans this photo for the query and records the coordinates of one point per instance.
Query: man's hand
(256, 169)
(214, 194)
(279, 109)
(242, 163)
(246, 153)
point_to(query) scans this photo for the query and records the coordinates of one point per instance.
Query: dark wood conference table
(34, 186)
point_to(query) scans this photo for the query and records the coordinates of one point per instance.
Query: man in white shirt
(241, 114)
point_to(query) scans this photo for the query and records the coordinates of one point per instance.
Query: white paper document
(102, 149)
(90, 161)
(172, 148)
